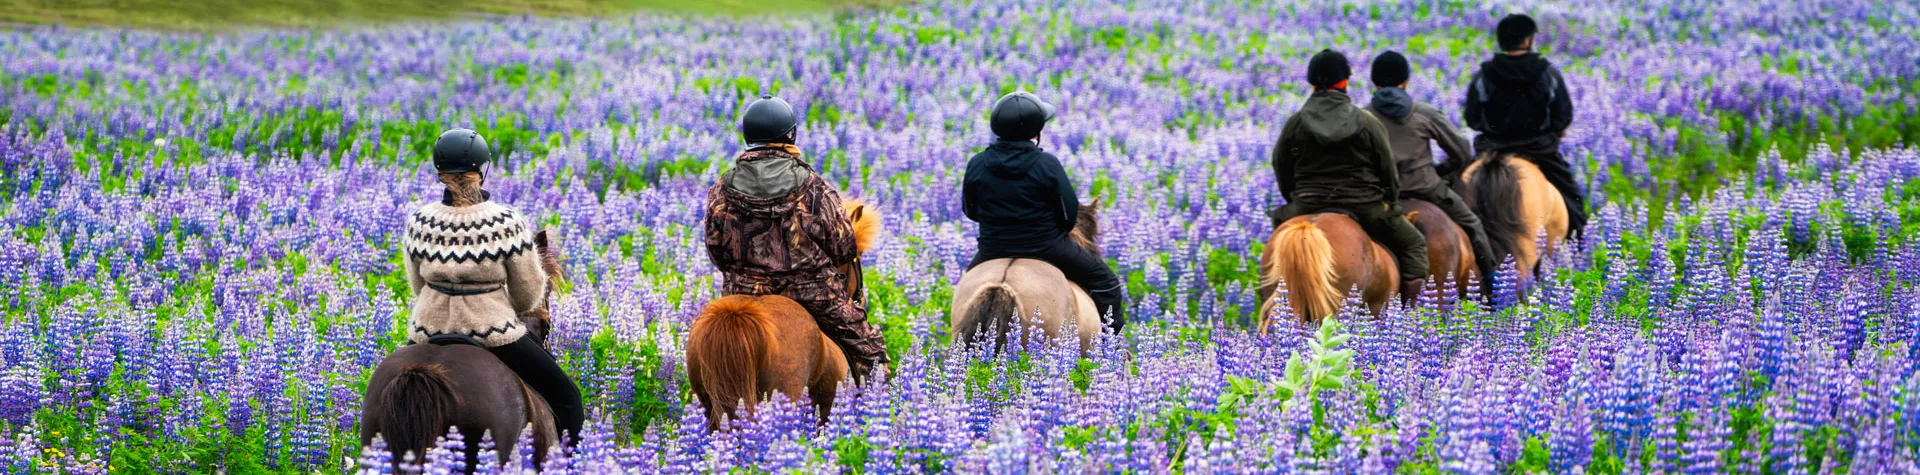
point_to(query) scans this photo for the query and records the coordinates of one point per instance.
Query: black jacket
(1019, 194)
(1334, 152)
(1518, 100)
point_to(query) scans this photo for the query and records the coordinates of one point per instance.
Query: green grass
(227, 14)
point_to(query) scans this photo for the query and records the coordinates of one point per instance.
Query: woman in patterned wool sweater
(474, 269)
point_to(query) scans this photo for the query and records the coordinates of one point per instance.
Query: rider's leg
(537, 368)
(843, 319)
(1090, 272)
(1386, 223)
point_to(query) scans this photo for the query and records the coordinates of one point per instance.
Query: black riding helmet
(460, 150)
(1327, 69)
(768, 120)
(1020, 116)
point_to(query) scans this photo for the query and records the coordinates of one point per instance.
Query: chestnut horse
(991, 295)
(744, 346)
(1515, 202)
(1449, 255)
(419, 391)
(1320, 256)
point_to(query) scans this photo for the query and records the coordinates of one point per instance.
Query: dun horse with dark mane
(1516, 203)
(992, 295)
(746, 346)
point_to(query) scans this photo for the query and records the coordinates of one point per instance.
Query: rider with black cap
(1412, 128)
(775, 226)
(1519, 103)
(474, 269)
(1026, 205)
(1333, 156)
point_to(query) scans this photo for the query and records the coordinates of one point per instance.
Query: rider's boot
(1410, 289)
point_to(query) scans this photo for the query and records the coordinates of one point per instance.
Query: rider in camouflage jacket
(774, 226)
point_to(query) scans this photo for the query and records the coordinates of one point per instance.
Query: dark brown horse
(746, 346)
(419, 391)
(1449, 255)
(1319, 256)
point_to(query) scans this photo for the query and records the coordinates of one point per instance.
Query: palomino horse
(743, 346)
(993, 294)
(1319, 256)
(420, 390)
(1515, 202)
(1449, 255)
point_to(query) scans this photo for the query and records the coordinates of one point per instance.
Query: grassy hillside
(225, 14)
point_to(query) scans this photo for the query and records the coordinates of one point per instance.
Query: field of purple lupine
(199, 259)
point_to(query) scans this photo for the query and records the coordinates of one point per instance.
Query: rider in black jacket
(1519, 103)
(1026, 207)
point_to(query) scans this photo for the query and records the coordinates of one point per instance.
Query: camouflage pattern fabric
(790, 245)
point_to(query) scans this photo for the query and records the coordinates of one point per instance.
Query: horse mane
(1086, 227)
(866, 223)
(1494, 194)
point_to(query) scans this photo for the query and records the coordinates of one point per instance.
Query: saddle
(449, 339)
(1280, 214)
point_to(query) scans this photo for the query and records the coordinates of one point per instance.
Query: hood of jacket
(1506, 69)
(1012, 158)
(764, 181)
(1330, 117)
(1392, 102)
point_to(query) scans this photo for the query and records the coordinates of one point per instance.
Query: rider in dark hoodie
(1519, 103)
(1412, 127)
(1333, 156)
(1026, 206)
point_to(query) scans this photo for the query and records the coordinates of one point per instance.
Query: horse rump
(418, 401)
(731, 341)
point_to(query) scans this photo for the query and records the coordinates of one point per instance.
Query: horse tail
(734, 338)
(1304, 260)
(990, 317)
(419, 401)
(1495, 196)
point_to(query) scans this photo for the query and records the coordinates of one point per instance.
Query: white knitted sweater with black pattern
(473, 270)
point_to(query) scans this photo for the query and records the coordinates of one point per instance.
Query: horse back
(1449, 255)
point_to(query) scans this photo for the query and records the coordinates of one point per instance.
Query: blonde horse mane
(866, 226)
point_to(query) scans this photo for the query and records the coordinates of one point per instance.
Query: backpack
(1518, 120)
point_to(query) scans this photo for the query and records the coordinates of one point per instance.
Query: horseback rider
(1411, 127)
(1334, 156)
(775, 226)
(474, 270)
(1026, 205)
(1519, 103)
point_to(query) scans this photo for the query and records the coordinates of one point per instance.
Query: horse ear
(1096, 203)
(540, 238)
(1411, 215)
(857, 211)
